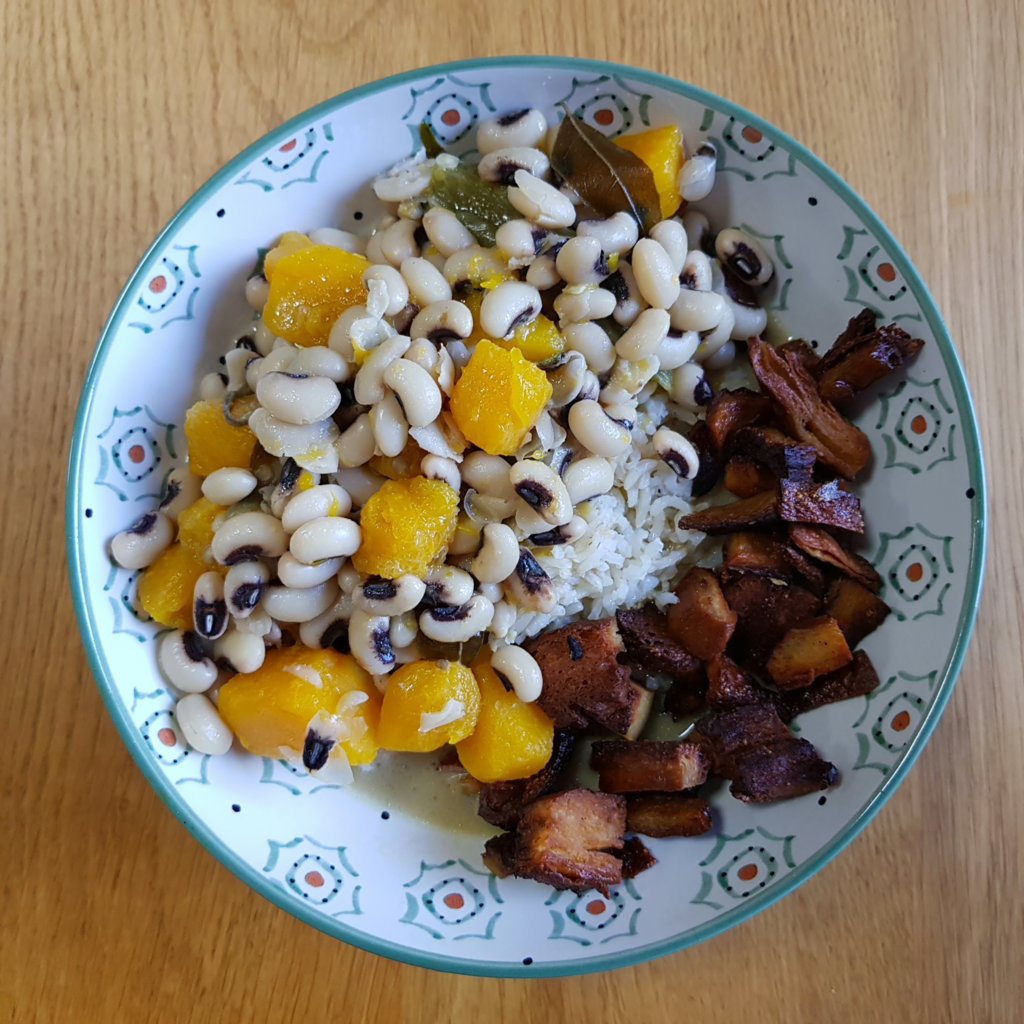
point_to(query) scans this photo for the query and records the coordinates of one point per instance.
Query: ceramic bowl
(367, 864)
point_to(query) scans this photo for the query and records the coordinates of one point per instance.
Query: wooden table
(113, 112)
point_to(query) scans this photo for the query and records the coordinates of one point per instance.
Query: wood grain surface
(114, 111)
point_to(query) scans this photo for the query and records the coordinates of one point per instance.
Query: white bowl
(368, 864)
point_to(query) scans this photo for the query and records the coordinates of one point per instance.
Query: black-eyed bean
(677, 348)
(487, 508)
(378, 596)
(447, 585)
(457, 624)
(519, 240)
(396, 289)
(240, 652)
(526, 127)
(369, 638)
(512, 304)
(628, 300)
(442, 321)
(279, 359)
(677, 451)
(542, 273)
(339, 239)
(438, 438)
(567, 534)
(713, 340)
(390, 427)
(398, 242)
(263, 337)
(213, 387)
(697, 228)
(235, 362)
(671, 236)
(320, 361)
(435, 467)
(748, 321)
(425, 282)
(327, 537)
(243, 587)
(744, 256)
(201, 725)
(298, 575)
(567, 377)
(530, 587)
(473, 263)
(690, 387)
(591, 341)
(298, 399)
(311, 446)
(356, 327)
(540, 202)
(504, 619)
(696, 273)
(416, 390)
(656, 277)
(489, 474)
(697, 175)
(403, 630)
(209, 608)
(248, 537)
(581, 260)
(520, 670)
(579, 303)
(260, 624)
(330, 628)
(543, 490)
(445, 231)
(358, 482)
(628, 378)
(597, 431)
(349, 579)
(404, 181)
(299, 604)
(616, 234)
(183, 660)
(724, 357)
(181, 490)
(356, 445)
(642, 338)
(467, 538)
(500, 165)
(697, 311)
(256, 291)
(499, 552)
(588, 477)
(369, 383)
(143, 542)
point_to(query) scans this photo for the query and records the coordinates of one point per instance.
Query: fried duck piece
(823, 547)
(667, 814)
(856, 679)
(651, 649)
(701, 620)
(858, 611)
(649, 767)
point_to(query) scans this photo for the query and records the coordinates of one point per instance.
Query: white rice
(633, 550)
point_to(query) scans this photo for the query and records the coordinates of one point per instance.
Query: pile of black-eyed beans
(667, 311)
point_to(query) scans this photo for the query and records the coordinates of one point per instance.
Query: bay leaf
(481, 206)
(608, 178)
(429, 140)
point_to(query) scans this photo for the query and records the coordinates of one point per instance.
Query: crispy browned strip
(763, 552)
(826, 504)
(636, 857)
(809, 359)
(701, 620)
(766, 611)
(668, 766)
(501, 803)
(854, 680)
(651, 649)
(808, 652)
(667, 814)
(567, 840)
(859, 326)
(825, 548)
(584, 681)
(731, 411)
(858, 611)
(872, 358)
(727, 735)
(729, 686)
(745, 478)
(760, 510)
(784, 457)
(806, 415)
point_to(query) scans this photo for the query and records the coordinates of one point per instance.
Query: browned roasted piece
(805, 414)
(701, 620)
(808, 652)
(636, 857)
(667, 766)
(667, 814)
(768, 553)
(567, 840)
(767, 610)
(730, 687)
(854, 680)
(781, 455)
(584, 681)
(825, 548)
(759, 510)
(764, 761)
(745, 478)
(501, 803)
(861, 361)
(652, 650)
(707, 473)
(857, 327)
(826, 504)
(686, 697)
(731, 411)
(809, 359)
(858, 611)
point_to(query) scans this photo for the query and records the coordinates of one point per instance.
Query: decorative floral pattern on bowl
(402, 885)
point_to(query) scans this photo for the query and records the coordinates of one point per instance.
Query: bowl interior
(380, 865)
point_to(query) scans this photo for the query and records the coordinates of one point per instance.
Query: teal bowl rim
(754, 904)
